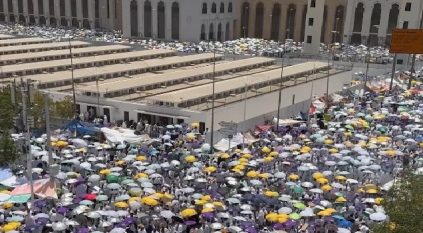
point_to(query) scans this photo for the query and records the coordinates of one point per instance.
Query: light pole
(280, 89)
(73, 80)
(213, 97)
(368, 56)
(98, 94)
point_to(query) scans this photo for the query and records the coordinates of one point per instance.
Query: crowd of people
(243, 46)
(329, 173)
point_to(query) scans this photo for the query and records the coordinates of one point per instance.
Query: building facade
(103, 14)
(185, 20)
(371, 22)
(286, 19)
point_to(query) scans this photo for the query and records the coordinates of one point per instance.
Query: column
(25, 7)
(154, 18)
(283, 22)
(349, 21)
(330, 23)
(57, 11)
(267, 22)
(112, 14)
(79, 15)
(6, 10)
(140, 18)
(252, 19)
(168, 20)
(46, 12)
(383, 26)
(15, 10)
(298, 22)
(314, 31)
(36, 12)
(68, 12)
(91, 13)
(365, 29)
(126, 19)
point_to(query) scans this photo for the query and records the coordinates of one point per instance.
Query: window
(405, 25)
(310, 21)
(309, 39)
(230, 7)
(222, 7)
(408, 6)
(313, 4)
(213, 9)
(204, 10)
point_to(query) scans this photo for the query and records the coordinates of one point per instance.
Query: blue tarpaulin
(82, 128)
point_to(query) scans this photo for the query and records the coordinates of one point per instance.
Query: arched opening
(62, 8)
(12, 18)
(325, 19)
(374, 23)
(230, 7)
(245, 12)
(1, 7)
(41, 7)
(84, 9)
(392, 23)
(53, 22)
(175, 21)
(147, 19)
(161, 20)
(276, 19)
(75, 23)
(227, 31)
(42, 21)
(73, 8)
(303, 22)
(222, 7)
(22, 19)
(134, 18)
(51, 8)
(259, 20)
(211, 32)
(338, 26)
(31, 20)
(20, 7)
(30, 7)
(63, 22)
(203, 32)
(219, 32)
(86, 24)
(213, 9)
(358, 24)
(2, 17)
(204, 8)
(10, 8)
(290, 21)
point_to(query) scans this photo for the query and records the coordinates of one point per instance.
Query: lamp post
(368, 56)
(280, 89)
(213, 98)
(73, 80)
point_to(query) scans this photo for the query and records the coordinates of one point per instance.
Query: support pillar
(313, 32)
(140, 18)
(168, 20)
(126, 19)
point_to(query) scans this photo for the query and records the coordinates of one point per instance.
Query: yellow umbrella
(322, 180)
(246, 156)
(200, 202)
(305, 149)
(218, 204)
(268, 159)
(149, 201)
(378, 200)
(195, 125)
(186, 213)
(62, 144)
(157, 195)
(293, 177)
(328, 141)
(134, 199)
(7, 205)
(333, 150)
(272, 217)
(207, 210)
(264, 175)
(326, 188)
(237, 151)
(391, 153)
(121, 204)
(210, 169)
(318, 175)
(243, 160)
(140, 175)
(340, 199)
(341, 178)
(372, 191)
(224, 156)
(236, 170)
(252, 174)
(330, 210)
(206, 198)
(282, 220)
(274, 154)
(190, 159)
(10, 227)
(120, 162)
(105, 172)
(324, 213)
(141, 158)
(5, 191)
(271, 194)
(240, 167)
(265, 150)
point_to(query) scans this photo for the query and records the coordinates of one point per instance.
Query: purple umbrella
(208, 215)
(278, 226)
(251, 230)
(30, 228)
(290, 224)
(83, 230)
(190, 223)
(40, 203)
(246, 225)
(62, 210)
(41, 221)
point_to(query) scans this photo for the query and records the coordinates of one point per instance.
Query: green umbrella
(127, 181)
(112, 179)
(294, 216)
(299, 205)
(297, 189)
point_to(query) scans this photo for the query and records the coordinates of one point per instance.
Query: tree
(404, 206)
(7, 111)
(8, 152)
(64, 109)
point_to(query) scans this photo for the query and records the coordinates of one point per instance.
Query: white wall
(315, 30)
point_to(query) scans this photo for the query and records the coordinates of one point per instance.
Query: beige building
(286, 19)
(104, 14)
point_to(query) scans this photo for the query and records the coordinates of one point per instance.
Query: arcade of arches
(285, 19)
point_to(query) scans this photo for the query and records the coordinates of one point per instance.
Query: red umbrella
(90, 196)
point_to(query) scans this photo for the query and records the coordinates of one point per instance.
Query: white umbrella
(307, 212)
(377, 216)
(316, 190)
(352, 181)
(343, 230)
(233, 200)
(94, 178)
(235, 229)
(188, 190)
(223, 215)
(167, 214)
(280, 175)
(307, 184)
(118, 230)
(240, 218)
(94, 214)
(59, 226)
(246, 207)
(216, 226)
(4, 197)
(285, 210)
(134, 205)
(330, 163)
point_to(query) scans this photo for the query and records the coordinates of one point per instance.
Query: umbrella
(118, 230)
(93, 215)
(167, 214)
(59, 226)
(377, 216)
(188, 213)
